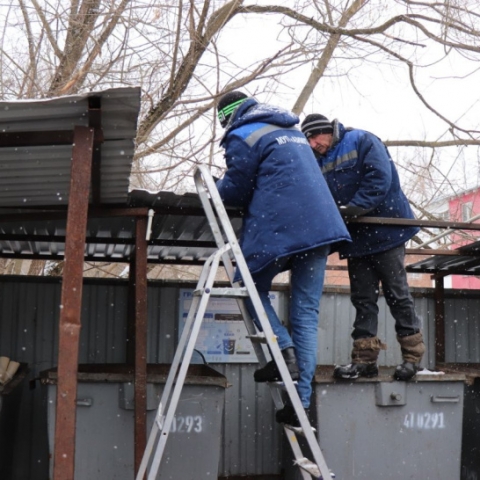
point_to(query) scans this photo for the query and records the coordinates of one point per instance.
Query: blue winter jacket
(360, 173)
(273, 174)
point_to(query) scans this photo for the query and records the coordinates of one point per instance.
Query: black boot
(406, 371)
(355, 370)
(288, 416)
(270, 372)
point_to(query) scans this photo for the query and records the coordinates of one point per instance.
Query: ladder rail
(164, 401)
(228, 252)
(165, 398)
(199, 315)
(206, 188)
(203, 182)
(203, 177)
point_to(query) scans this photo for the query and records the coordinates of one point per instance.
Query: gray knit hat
(316, 124)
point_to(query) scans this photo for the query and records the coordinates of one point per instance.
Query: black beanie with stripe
(228, 104)
(316, 124)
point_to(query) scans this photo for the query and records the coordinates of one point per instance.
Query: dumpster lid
(197, 374)
(470, 370)
(324, 374)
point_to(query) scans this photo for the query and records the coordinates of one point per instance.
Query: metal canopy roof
(180, 232)
(465, 262)
(36, 146)
(35, 162)
(36, 138)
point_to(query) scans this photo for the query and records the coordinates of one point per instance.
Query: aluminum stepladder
(228, 251)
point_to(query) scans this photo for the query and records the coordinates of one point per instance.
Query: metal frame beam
(138, 289)
(439, 319)
(71, 304)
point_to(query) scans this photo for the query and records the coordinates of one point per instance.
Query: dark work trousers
(365, 274)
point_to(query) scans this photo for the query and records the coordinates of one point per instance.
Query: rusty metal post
(439, 319)
(71, 304)
(137, 335)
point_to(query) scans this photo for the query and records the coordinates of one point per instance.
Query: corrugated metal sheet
(336, 323)
(29, 309)
(462, 329)
(467, 262)
(252, 440)
(40, 175)
(180, 232)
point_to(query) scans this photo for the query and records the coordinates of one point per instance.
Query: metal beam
(414, 222)
(71, 303)
(137, 336)
(439, 319)
(53, 137)
(95, 121)
(60, 214)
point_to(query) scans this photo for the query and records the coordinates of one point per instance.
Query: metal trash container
(384, 429)
(381, 428)
(105, 421)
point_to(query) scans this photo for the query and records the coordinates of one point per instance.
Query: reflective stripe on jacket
(272, 173)
(360, 172)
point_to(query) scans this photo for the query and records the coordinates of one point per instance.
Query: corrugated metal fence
(252, 443)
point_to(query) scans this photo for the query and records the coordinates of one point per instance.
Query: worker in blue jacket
(364, 182)
(290, 223)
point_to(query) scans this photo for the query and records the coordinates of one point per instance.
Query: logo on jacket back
(286, 139)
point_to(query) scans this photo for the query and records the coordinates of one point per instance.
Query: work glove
(353, 211)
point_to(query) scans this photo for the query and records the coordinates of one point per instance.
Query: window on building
(444, 216)
(467, 208)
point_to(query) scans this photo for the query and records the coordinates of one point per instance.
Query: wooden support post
(71, 304)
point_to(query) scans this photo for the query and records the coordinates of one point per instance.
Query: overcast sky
(376, 97)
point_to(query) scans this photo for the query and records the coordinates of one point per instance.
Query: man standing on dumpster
(364, 182)
(290, 223)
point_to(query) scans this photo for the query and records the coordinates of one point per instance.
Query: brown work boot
(355, 370)
(364, 359)
(413, 349)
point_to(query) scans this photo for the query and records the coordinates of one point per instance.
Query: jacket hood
(251, 111)
(338, 132)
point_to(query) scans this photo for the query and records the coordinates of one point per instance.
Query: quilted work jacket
(273, 175)
(360, 173)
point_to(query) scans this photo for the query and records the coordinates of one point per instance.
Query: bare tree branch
(81, 23)
(196, 50)
(431, 144)
(47, 29)
(77, 81)
(325, 58)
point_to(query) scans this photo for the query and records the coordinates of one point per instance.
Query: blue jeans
(307, 276)
(365, 274)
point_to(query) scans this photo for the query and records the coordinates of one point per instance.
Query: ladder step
(309, 467)
(258, 338)
(280, 385)
(226, 292)
(297, 430)
(216, 214)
